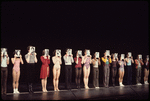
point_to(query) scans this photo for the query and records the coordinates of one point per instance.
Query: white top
(68, 60)
(32, 58)
(139, 64)
(96, 63)
(4, 62)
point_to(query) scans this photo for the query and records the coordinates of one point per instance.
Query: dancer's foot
(45, 90)
(17, 91)
(57, 89)
(86, 87)
(14, 91)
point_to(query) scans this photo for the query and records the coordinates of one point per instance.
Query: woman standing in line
(68, 59)
(122, 63)
(16, 72)
(86, 68)
(56, 70)
(44, 73)
(129, 61)
(146, 70)
(138, 66)
(31, 59)
(106, 63)
(96, 62)
(4, 72)
(114, 68)
(78, 69)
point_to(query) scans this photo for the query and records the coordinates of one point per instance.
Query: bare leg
(14, 78)
(54, 78)
(57, 78)
(42, 82)
(45, 82)
(17, 79)
(119, 76)
(88, 73)
(146, 73)
(122, 76)
(84, 78)
(46, 79)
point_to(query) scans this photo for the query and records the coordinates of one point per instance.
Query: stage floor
(127, 92)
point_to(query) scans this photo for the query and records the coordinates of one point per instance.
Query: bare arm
(142, 62)
(125, 63)
(54, 60)
(99, 62)
(72, 60)
(28, 57)
(132, 59)
(7, 60)
(13, 60)
(35, 59)
(76, 60)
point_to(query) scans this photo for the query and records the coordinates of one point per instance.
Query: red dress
(79, 62)
(45, 64)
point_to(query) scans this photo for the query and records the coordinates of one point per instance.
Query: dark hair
(112, 55)
(43, 52)
(54, 52)
(137, 56)
(28, 48)
(14, 53)
(85, 50)
(76, 52)
(119, 57)
(127, 54)
(67, 49)
(104, 51)
(93, 55)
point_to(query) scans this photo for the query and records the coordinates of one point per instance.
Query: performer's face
(105, 54)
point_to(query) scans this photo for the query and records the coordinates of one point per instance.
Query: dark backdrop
(119, 26)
